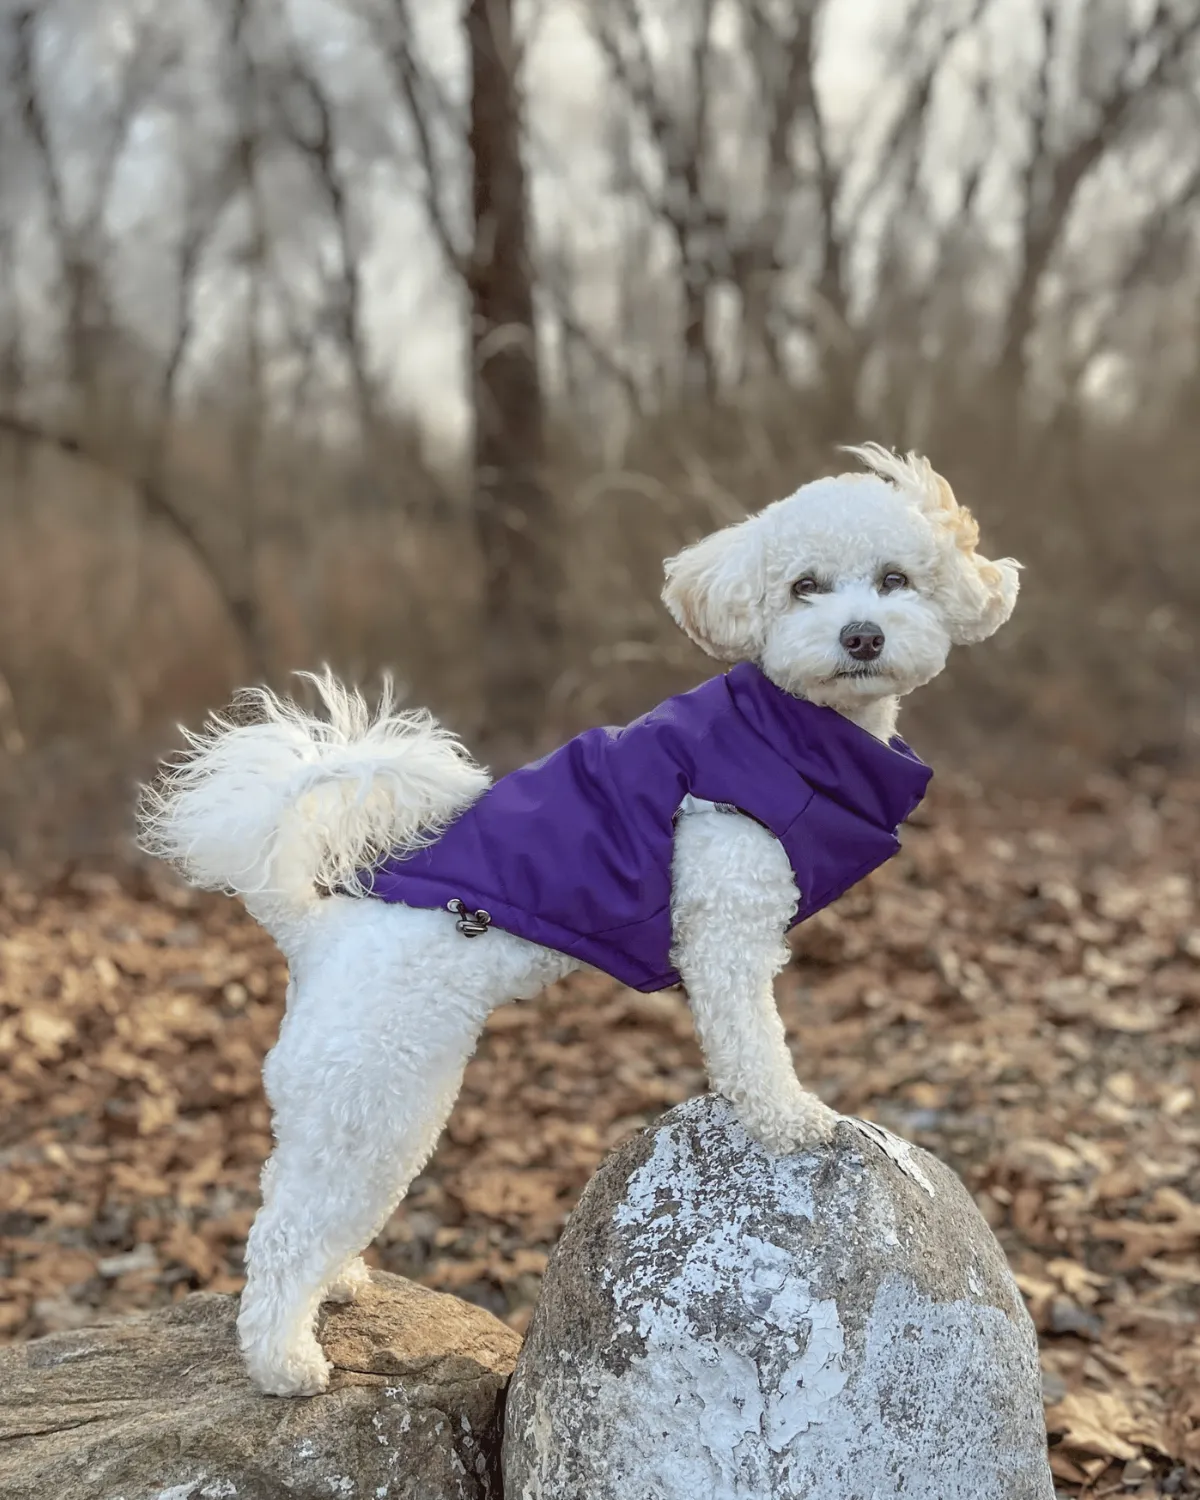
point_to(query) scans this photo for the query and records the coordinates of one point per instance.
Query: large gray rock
(720, 1324)
(159, 1408)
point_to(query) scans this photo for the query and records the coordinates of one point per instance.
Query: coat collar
(881, 782)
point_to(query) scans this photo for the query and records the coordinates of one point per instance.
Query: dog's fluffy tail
(278, 805)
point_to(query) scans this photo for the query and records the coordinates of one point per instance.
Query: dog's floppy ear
(715, 591)
(982, 593)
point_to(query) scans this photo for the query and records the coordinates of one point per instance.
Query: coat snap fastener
(470, 923)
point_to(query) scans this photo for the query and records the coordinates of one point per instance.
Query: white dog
(845, 596)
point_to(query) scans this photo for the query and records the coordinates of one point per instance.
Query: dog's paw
(294, 1367)
(346, 1286)
(302, 1370)
(799, 1125)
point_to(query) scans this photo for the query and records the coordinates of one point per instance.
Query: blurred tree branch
(679, 134)
(1062, 154)
(316, 141)
(156, 504)
(427, 112)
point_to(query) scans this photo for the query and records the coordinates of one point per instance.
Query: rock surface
(159, 1408)
(835, 1325)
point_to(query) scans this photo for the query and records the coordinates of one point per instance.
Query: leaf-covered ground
(1019, 991)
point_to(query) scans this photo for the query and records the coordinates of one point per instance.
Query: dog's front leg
(733, 894)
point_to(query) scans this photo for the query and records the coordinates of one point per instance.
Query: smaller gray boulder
(720, 1323)
(159, 1408)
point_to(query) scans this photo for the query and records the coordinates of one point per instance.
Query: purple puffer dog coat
(574, 851)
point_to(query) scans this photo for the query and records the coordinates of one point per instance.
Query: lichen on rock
(835, 1325)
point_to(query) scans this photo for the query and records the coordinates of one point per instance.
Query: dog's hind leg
(358, 1110)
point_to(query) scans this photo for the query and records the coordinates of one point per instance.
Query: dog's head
(852, 589)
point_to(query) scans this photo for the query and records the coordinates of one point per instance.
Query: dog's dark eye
(803, 587)
(891, 581)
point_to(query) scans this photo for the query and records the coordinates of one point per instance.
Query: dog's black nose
(863, 640)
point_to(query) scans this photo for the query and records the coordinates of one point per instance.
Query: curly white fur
(277, 805)
(386, 1002)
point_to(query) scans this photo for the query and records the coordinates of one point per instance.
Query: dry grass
(110, 631)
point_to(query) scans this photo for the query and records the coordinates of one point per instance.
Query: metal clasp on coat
(470, 923)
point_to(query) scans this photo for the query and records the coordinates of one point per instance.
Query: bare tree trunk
(515, 517)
